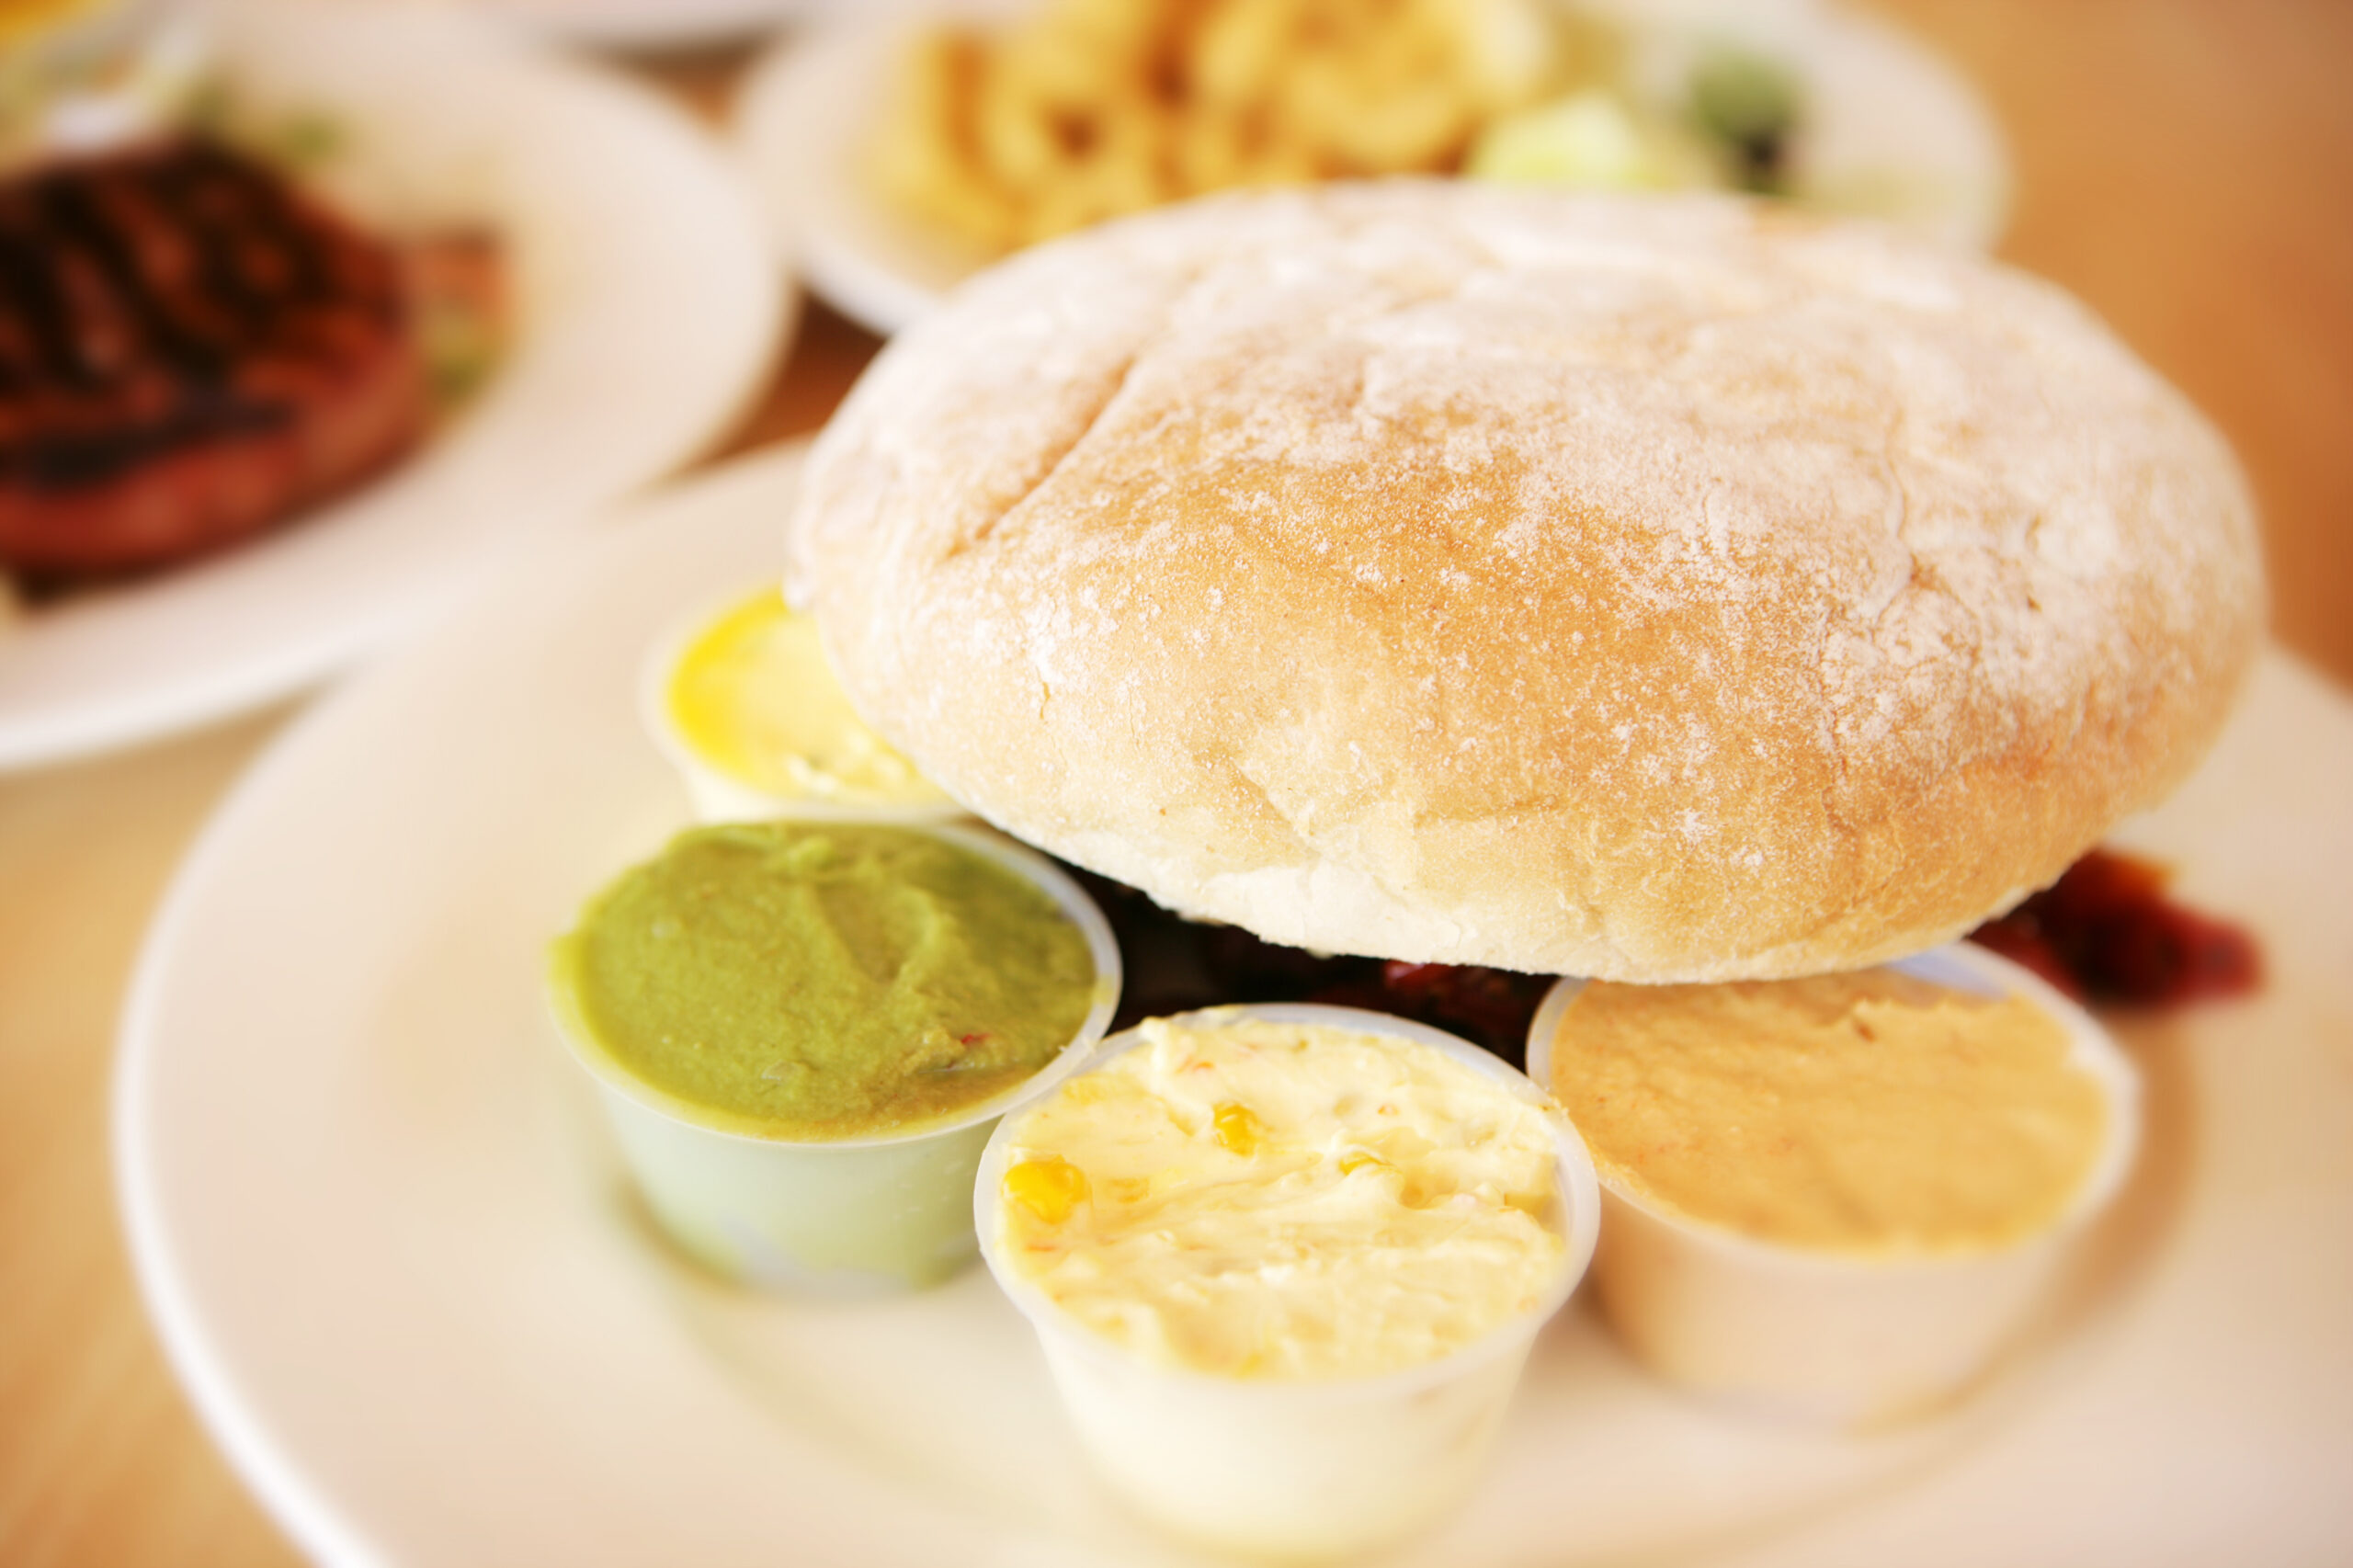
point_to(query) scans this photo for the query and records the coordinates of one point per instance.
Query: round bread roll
(1659, 589)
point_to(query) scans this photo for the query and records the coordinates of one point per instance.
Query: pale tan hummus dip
(1870, 1112)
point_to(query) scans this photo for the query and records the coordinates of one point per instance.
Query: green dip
(823, 981)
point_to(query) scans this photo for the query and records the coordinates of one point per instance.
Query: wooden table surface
(2186, 166)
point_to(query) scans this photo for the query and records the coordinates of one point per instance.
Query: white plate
(651, 24)
(675, 24)
(390, 1254)
(1889, 121)
(656, 25)
(647, 312)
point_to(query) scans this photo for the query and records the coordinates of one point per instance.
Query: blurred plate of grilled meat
(394, 293)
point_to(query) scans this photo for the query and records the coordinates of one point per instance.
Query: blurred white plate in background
(1889, 125)
(647, 312)
(653, 23)
(390, 1251)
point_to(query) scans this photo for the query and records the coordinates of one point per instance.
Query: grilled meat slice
(190, 350)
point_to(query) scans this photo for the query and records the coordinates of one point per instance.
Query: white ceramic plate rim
(648, 310)
(649, 24)
(663, 25)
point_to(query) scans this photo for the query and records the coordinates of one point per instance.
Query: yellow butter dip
(1871, 1112)
(752, 694)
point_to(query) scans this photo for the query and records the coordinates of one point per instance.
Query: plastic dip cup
(1304, 1470)
(746, 626)
(845, 1214)
(1846, 1338)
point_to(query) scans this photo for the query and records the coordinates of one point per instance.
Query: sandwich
(1664, 589)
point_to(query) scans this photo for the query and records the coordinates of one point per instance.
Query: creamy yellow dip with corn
(1284, 1200)
(1871, 1112)
(753, 696)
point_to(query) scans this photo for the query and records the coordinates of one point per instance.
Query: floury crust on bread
(1653, 589)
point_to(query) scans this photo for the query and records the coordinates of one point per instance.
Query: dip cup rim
(1964, 966)
(1578, 1188)
(1069, 897)
(663, 657)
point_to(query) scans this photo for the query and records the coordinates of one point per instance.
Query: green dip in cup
(804, 1031)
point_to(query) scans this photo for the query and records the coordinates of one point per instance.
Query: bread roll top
(1654, 589)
